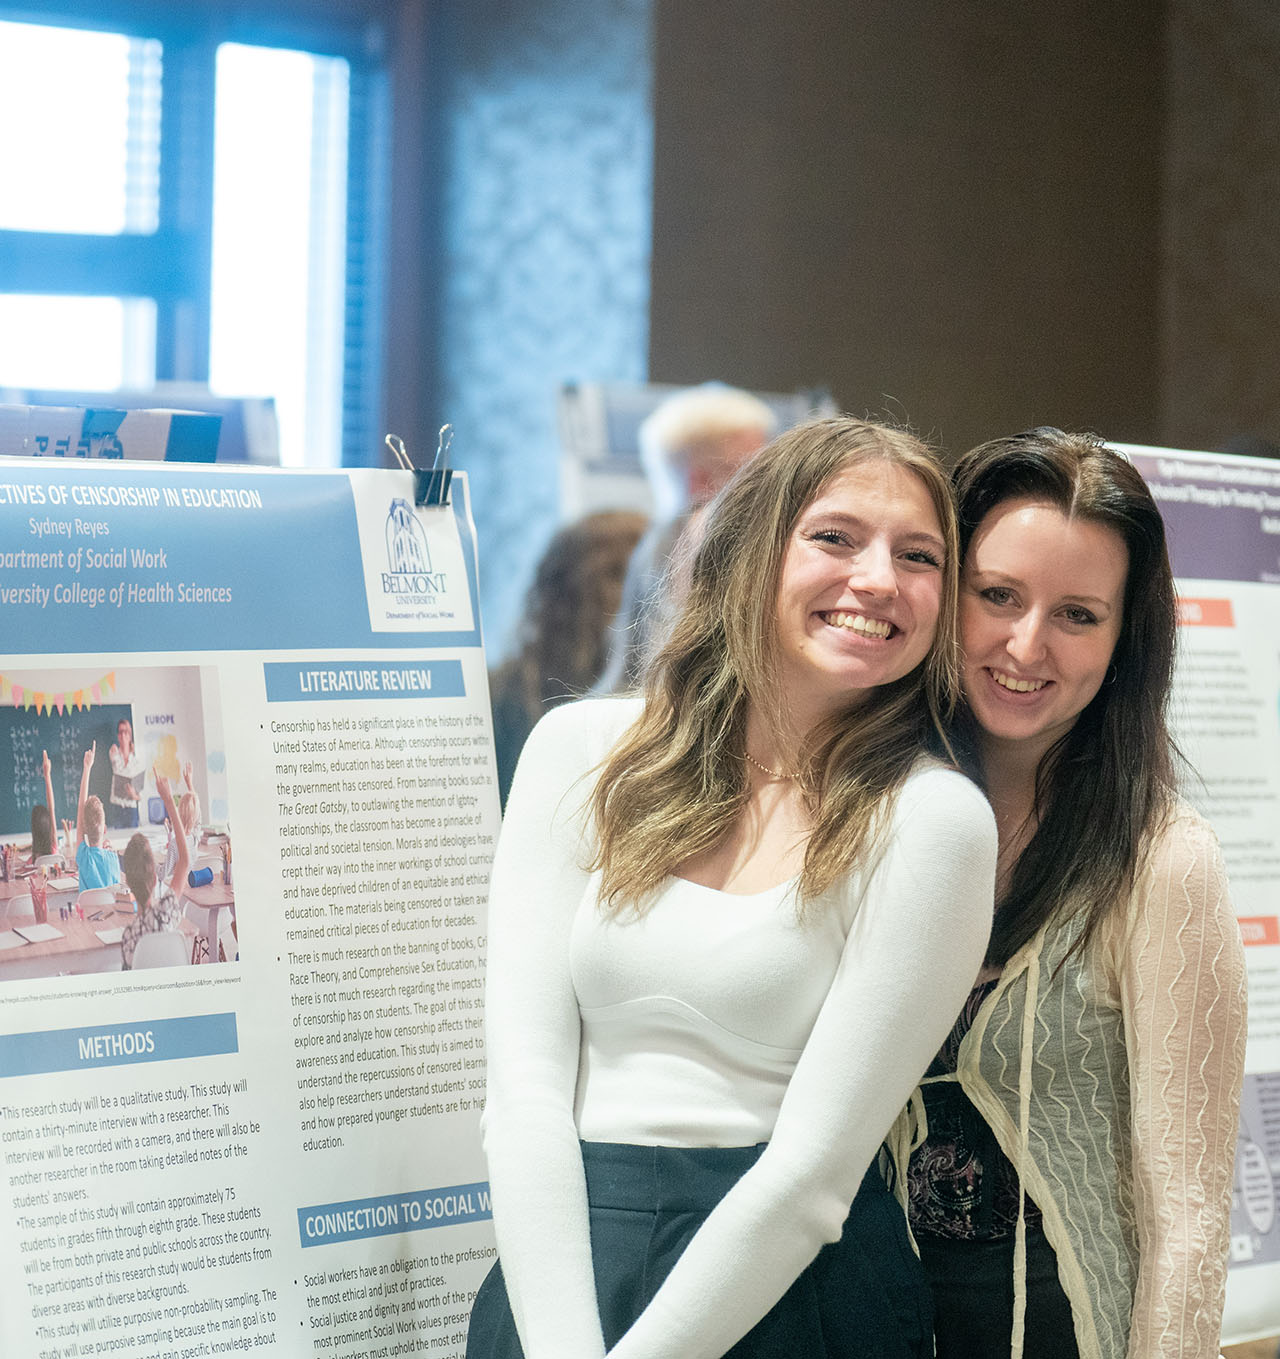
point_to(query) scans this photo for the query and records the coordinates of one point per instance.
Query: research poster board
(270, 1143)
(1223, 519)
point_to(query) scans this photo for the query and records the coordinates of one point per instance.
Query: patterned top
(960, 1185)
(163, 913)
(1111, 1078)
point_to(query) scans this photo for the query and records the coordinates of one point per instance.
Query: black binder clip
(430, 484)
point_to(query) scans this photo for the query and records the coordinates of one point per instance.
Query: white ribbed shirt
(713, 1020)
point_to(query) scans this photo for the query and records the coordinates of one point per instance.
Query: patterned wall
(1221, 375)
(544, 258)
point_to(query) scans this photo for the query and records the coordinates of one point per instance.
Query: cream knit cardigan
(1113, 1085)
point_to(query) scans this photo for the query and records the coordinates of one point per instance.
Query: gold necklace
(764, 768)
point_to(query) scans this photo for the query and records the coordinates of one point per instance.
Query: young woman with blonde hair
(730, 921)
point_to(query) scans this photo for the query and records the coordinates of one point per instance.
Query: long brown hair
(1103, 788)
(44, 834)
(138, 864)
(673, 785)
(564, 627)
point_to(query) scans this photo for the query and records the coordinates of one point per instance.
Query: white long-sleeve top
(713, 1020)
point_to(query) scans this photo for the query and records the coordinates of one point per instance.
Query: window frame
(173, 265)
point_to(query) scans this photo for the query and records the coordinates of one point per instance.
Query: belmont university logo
(411, 576)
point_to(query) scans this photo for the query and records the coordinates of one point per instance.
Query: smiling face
(859, 589)
(1041, 605)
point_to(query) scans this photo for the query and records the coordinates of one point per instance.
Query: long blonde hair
(675, 782)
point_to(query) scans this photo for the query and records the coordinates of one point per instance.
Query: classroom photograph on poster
(84, 755)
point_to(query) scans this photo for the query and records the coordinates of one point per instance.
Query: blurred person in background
(564, 628)
(690, 446)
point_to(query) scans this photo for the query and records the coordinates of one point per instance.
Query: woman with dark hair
(563, 639)
(701, 1019)
(159, 905)
(1072, 1196)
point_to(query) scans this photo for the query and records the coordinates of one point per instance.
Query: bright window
(176, 208)
(73, 343)
(280, 203)
(80, 150)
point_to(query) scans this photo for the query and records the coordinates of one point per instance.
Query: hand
(162, 787)
(44, 763)
(187, 771)
(89, 757)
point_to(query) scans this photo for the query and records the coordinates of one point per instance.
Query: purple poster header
(1222, 513)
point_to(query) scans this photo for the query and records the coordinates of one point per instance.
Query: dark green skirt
(863, 1297)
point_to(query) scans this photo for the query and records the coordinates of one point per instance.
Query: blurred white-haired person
(690, 446)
